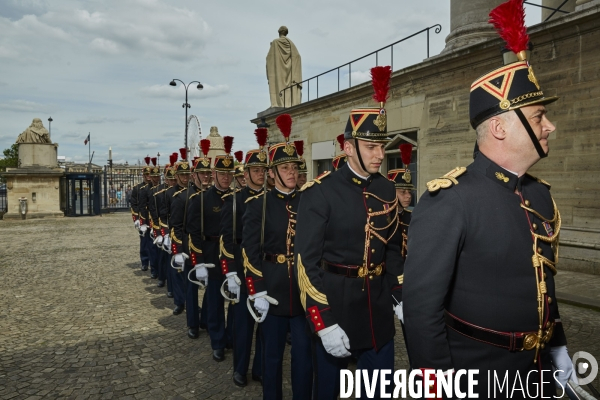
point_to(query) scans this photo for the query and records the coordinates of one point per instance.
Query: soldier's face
(288, 176)
(172, 182)
(404, 197)
(256, 175)
(146, 178)
(301, 180)
(241, 181)
(183, 179)
(372, 154)
(223, 179)
(155, 179)
(541, 125)
(203, 178)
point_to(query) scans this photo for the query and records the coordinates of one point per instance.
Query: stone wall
(47, 195)
(432, 98)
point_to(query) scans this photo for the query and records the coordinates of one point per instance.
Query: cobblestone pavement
(79, 320)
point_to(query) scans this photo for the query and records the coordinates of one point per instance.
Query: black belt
(277, 258)
(353, 271)
(211, 238)
(512, 341)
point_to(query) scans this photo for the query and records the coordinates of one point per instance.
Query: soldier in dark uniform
(153, 223)
(348, 262)
(145, 217)
(204, 222)
(178, 237)
(164, 204)
(302, 170)
(135, 214)
(268, 258)
(483, 245)
(403, 181)
(159, 233)
(340, 160)
(233, 267)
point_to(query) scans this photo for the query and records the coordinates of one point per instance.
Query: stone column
(469, 23)
(569, 6)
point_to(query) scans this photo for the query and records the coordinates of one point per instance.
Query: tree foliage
(11, 157)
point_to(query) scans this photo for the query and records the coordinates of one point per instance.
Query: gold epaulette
(316, 180)
(254, 197)
(160, 192)
(176, 193)
(407, 210)
(447, 180)
(141, 187)
(230, 193)
(195, 194)
(543, 182)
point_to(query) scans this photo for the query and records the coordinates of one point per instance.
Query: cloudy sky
(104, 66)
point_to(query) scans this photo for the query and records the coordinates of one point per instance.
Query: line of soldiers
(331, 261)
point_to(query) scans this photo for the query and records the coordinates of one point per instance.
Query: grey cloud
(167, 91)
(28, 106)
(102, 120)
(16, 9)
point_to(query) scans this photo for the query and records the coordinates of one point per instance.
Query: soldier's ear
(497, 127)
(349, 147)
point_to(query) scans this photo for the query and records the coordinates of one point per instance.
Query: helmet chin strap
(278, 176)
(360, 160)
(534, 139)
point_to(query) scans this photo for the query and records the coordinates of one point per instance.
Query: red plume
(153, 159)
(147, 159)
(299, 147)
(205, 144)
(261, 136)
(406, 153)
(183, 153)
(173, 158)
(284, 122)
(239, 155)
(381, 82)
(340, 139)
(509, 20)
(228, 143)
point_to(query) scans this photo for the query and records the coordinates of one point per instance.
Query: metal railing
(554, 10)
(437, 29)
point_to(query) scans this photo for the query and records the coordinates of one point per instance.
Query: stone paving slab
(79, 320)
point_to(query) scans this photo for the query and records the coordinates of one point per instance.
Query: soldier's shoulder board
(446, 181)
(318, 180)
(195, 194)
(540, 180)
(179, 191)
(254, 197)
(407, 210)
(159, 192)
(230, 193)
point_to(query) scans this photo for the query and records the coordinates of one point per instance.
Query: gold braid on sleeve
(306, 287)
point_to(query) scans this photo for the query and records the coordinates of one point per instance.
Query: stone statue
(284, 68)
(36, 133)
(216, 141)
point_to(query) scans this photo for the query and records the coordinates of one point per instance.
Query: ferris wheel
(194, 134)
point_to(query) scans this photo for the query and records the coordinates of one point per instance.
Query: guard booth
(82, 194)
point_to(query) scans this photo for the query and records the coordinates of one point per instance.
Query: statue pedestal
(37, 179)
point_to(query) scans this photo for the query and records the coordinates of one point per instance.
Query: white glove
(234, 287)
(152, 233)
(158, 241)
(143, 229)
(179, 260)
(167, 244)
(262, 305)
(201, 273)
(399, 312)
(335, 341)
(562, 361)
(137, 224)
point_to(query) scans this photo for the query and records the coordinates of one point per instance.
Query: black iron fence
(306, 84)
(3, 199)
(116, 188)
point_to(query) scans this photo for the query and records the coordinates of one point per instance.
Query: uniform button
(316, 317)
(371, 236)
(366, 196)
(527, 203)
(319, 324)
(370, 210)
(314, 311)
(371, 277)
(539, 250)
(549, 300)
(534, 227)
(372, 223)
(372, 265)
(372, 250)
(292, 244)
(544, 275)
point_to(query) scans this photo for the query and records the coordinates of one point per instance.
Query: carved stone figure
(284, 69)
(36, 133)
(216, 141)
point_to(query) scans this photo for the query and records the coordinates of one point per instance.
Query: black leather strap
(350, 271)
(275, 258)
(534, 139)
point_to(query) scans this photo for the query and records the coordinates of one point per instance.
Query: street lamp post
(186, 105)
(50, 126)
(158, 158)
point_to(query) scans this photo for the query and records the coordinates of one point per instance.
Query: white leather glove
(137, 224)
(201, 273)
(399, 312)
(234, 287)
(335, 341)
(562, 361)
(143, 229)
(158, 241)
(152, 233)
(167, 244)
(179, 260)
(262, 305)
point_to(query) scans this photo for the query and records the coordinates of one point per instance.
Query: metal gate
(82, 194)
(116, 188)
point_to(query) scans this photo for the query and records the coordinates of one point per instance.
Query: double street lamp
(186, 105)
